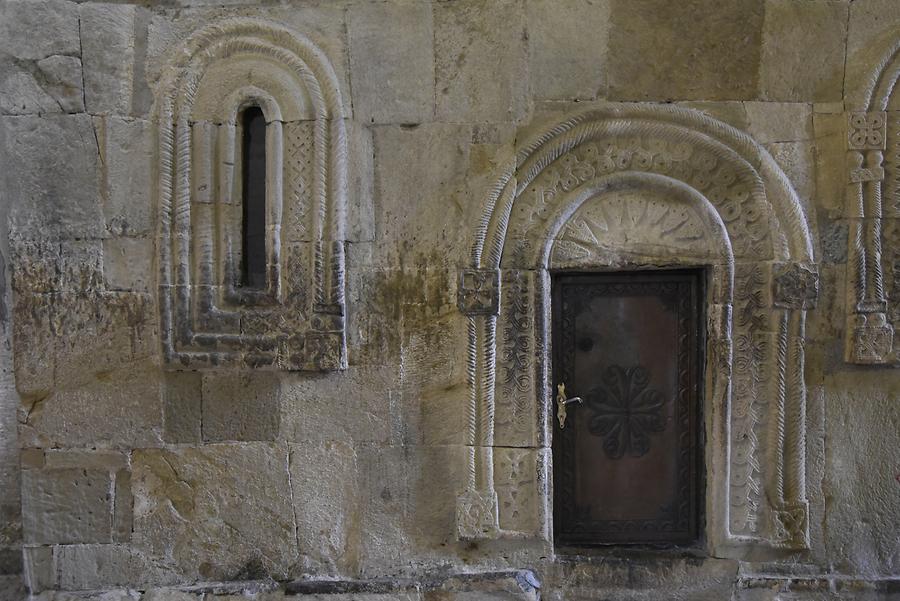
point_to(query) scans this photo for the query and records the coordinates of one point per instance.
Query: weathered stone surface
(831, 157)
(127, 153)
(323, 478)
(40, 568)
(107, 40)
(770, 122)
(470, 39)
(182, 407)
(240, 406)
(803, 50)
(51, 175)
(701, 49)
(96, 567)
(66, 506)
(567, 45)
(421, 203)
(350, 405)
(128, 264)
(862, 413)
(36, 30)
(121, 408)
(191, 503)
(392, 76)
(49, 85)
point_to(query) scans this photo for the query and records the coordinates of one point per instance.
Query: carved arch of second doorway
(687, 190)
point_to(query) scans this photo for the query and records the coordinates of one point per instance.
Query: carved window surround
(689, 191)
(296, 321)
(873, 211)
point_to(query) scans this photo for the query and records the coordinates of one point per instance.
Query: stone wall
(140, 476)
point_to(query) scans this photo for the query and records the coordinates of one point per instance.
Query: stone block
(48, 85)
(471, 39)
(51, 175)
(240, 406)
(798, 161)
(831, 161)
(96, 334)
(433, 500)
(769, 122)
(127, 150)
(567, 44)
(384, 532)
(117, 408)
(80, 267)
(34, 358)
(123, 506)
(105, 567)
(191, 503)
(40, 568)
(421, 204)
(349, 405)
(182, 407)
(392, 62)
(860, 488)
(325, 501)
(692, 50)
(803, 47)
(36, 30)
(107, 39)
(93, 459)
(871, 31)
(66, 506)
(128, 264)
(361, 212)
(434, 380)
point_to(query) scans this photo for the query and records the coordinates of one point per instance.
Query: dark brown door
(627, 460)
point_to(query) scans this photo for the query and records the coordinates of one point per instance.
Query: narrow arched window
(253, 259)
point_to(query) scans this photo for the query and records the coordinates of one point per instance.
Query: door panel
(626, 462)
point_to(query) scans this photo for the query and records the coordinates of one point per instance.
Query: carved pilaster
(869, 333)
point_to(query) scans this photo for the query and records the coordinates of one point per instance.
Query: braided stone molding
(873, 210)
(296, 322)
(717, 199)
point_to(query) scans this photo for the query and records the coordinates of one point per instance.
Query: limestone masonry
(376, 420)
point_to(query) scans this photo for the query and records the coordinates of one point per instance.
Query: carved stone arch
(873, 212)
(754, 240)
(208, 319)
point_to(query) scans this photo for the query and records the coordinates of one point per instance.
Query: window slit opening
(253, 259)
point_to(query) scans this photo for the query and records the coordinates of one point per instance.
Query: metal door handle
(561, 402)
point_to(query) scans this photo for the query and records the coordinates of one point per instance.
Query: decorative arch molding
(689, 191)
(296, 321)
(873, 212)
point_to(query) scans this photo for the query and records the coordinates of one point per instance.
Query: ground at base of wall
(512, 585)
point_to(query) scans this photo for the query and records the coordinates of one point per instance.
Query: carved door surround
(296, 321)
(689, 191)
(873, 212)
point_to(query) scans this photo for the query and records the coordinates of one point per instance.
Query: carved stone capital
(479, 291)
(868, 169)
(791, 524)
(795, 286)
(867, 131)
(476, 515)
(871, 338)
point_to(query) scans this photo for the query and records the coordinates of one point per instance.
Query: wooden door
(627, 460)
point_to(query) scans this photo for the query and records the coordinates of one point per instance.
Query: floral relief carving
(867, 130)
(479, 292)
(728, 189)
(625, 412)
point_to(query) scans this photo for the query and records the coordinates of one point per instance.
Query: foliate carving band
(730, 208)
(296, 321)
